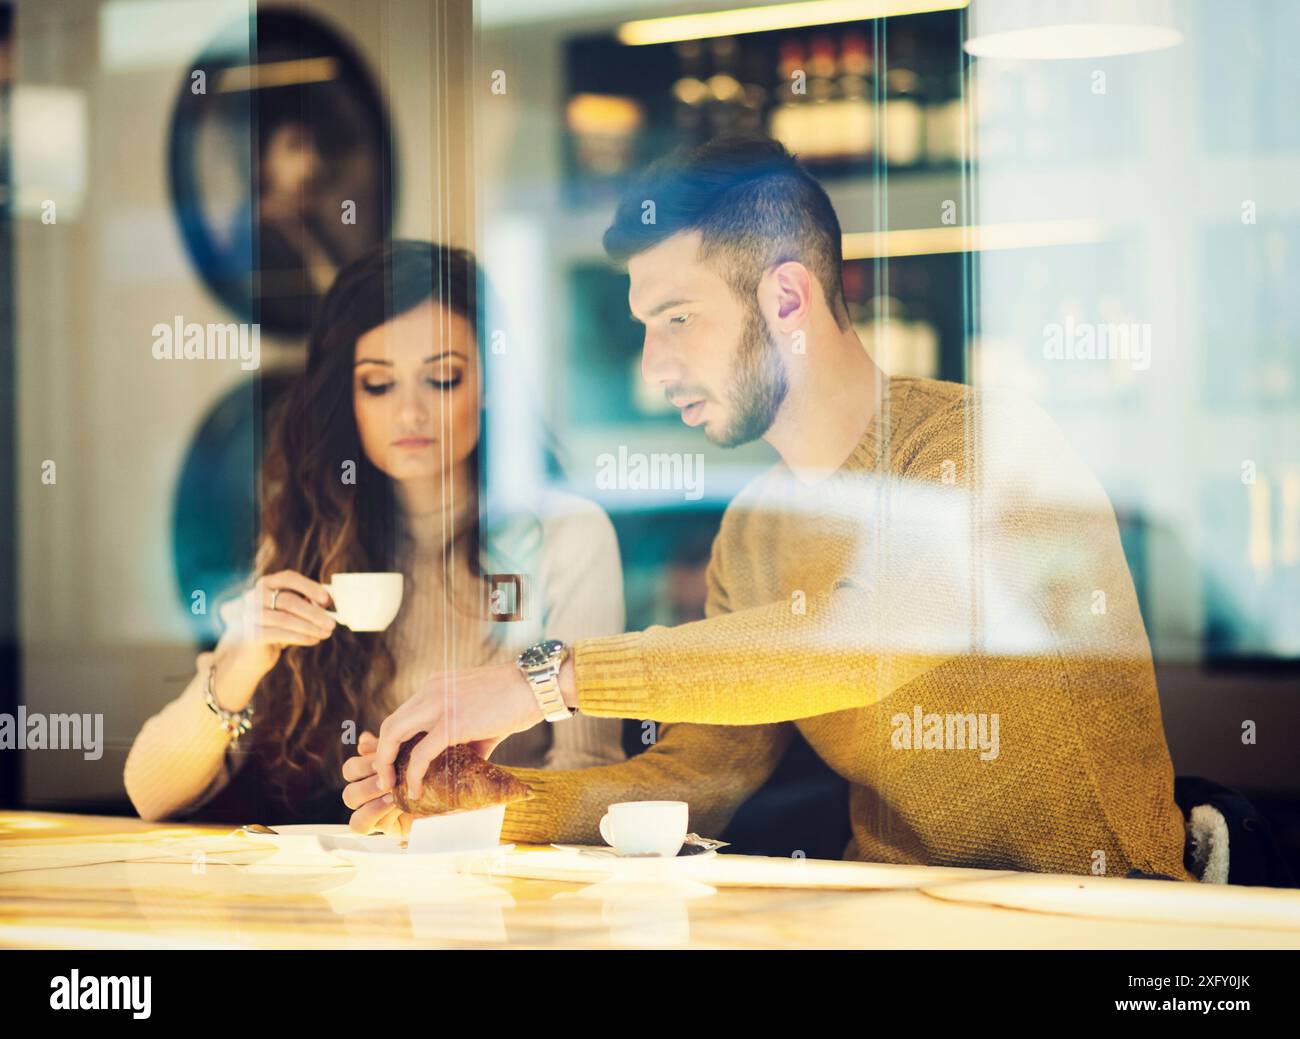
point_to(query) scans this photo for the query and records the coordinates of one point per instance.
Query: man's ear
(785, 296)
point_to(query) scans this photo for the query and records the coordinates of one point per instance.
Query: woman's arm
(178, 756)
(583, 599)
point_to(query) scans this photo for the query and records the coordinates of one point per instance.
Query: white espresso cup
(365, 602)
(646, 827)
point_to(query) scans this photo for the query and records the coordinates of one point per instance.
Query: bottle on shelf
(726, 95)
(944, 121)
(787, 123)
(900, 344)
(892, 327)
(857, 105)
(754, 95)
(923, 342)
(823, 139)
(913, 285)
(904, 113)
(604, 129)
(690, 94)
(854, 279)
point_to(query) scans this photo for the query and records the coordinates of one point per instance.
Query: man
(929, 586)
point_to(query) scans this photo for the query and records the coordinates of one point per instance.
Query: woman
(375, 465)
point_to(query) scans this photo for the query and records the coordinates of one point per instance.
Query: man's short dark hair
(754, 206)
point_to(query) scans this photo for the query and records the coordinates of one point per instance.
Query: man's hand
(480, 707)
(373, 809)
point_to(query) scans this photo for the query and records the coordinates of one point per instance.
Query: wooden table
(74, 881)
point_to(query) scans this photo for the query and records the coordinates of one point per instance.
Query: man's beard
(758, 384)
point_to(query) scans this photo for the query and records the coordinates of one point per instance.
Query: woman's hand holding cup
(286, 609)
(281, 609)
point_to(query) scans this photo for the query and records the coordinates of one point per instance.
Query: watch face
(539, 654)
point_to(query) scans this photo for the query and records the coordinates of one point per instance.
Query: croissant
(457, 781)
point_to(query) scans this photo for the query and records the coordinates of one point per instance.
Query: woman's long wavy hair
(319, 522)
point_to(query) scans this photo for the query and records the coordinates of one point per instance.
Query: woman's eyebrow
(428, 360)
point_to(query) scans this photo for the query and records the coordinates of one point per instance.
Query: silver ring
(275, 592)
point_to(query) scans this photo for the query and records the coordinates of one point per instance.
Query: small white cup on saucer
(646, 827)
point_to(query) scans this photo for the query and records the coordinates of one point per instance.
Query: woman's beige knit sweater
(182, 758)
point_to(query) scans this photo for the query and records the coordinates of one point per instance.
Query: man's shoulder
(988, 438)
(928, 404)
(921, 408)
(933, 413)
(913, 393)
(938, 398)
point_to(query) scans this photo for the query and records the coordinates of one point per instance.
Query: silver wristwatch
(540, 664)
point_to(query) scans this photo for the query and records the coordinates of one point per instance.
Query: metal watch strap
(235, 723)
(545, 682)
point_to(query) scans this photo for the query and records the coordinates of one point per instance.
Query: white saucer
(289, 835)
(603, 851)
(301, 846)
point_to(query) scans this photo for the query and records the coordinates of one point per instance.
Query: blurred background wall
(104, 625)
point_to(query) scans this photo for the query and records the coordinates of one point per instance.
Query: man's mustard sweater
(948, 620)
